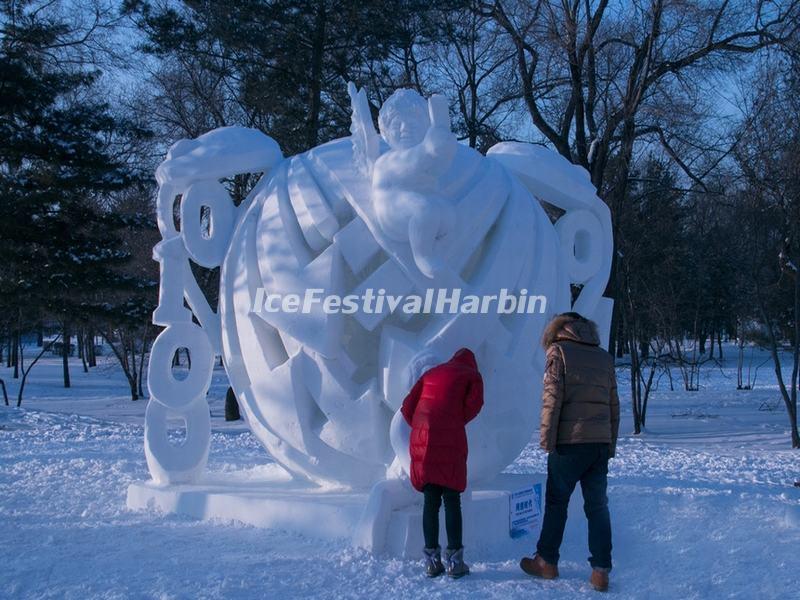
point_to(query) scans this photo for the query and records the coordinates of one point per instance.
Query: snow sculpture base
(385, 521)
(306, 511)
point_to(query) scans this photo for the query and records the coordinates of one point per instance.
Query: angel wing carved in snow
(366, 141)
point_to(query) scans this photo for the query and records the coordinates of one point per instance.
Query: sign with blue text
(525, 510)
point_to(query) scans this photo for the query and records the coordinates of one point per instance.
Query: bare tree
(26, 371)
(475, 64)
(767, 157)
(598, 78)
(130, 346)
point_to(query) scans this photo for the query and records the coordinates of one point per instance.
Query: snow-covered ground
(703, 506)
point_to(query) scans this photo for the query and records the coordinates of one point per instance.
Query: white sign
(525, 510)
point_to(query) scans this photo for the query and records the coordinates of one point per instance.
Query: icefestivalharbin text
(404, 211)
(376, 301)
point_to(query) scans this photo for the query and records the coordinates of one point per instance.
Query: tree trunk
(134, 378)
(315, 85)
(80, 337)
(791, 410)
(26, 371)
(65, 340)
(15, 353)
(740, 365)
(635, 402)
(121, 352)
(141, 359)
(647, 387)
(125, 360)
(795, 433)
(231, 406)
(636, 405)
(795, 362)
(620, 332)
(615, 202)
(91, 350)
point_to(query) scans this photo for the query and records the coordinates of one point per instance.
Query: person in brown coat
(579, 426)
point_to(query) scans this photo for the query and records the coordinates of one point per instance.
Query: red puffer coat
(440, 404)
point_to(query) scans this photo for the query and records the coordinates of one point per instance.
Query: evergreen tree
(283, 65)
(60, 248)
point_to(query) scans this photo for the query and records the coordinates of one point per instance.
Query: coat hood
(568, 328)
(465, 357)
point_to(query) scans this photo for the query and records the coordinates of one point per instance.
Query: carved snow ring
(170, 463)
(207, 251)
(164, 387)
(581, 237)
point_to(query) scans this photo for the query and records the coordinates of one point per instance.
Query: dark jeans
(569, 464)
(452, 516)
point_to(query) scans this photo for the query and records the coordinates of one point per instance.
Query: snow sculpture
(392, 214)
(193, 169)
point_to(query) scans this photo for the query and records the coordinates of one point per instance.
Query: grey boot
(433, 562)
(456, 567)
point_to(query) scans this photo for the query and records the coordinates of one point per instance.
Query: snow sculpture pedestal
(384, 521)
(272, 505)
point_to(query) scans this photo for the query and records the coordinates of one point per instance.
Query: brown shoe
(537, 567)
(599, 580)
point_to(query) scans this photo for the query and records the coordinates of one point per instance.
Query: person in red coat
(437, 408)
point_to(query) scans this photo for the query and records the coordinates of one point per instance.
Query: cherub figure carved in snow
(405, 179)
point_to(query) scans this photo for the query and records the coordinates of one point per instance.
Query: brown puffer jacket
(579, 399)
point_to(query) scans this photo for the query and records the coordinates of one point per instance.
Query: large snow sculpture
(392, 214)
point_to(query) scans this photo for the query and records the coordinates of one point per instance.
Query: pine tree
(283, 66)
(59, 247)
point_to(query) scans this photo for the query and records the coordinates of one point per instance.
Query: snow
(702, 506)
